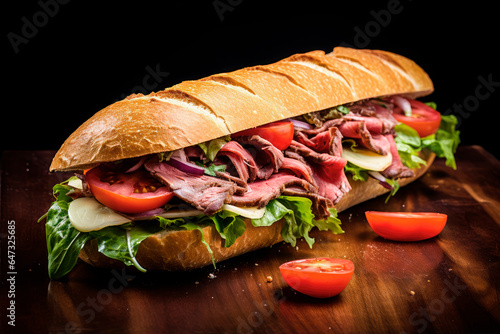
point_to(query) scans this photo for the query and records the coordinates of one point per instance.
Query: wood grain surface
(448, 284)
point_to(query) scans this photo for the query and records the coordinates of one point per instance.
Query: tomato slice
(424, 119)
(280, 133)
(127, 192)
(318, 277)
(406, 226)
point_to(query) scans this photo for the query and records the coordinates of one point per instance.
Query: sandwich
(210, 169)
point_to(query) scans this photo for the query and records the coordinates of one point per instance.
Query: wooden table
(449, 284)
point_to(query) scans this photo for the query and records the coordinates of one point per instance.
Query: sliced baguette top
(193, 112)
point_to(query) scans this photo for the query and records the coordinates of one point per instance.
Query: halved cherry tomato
(424, 119)
(318, 277)
(280, 133)
(130, 193)
(406, 226)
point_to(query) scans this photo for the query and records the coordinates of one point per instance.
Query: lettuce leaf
(407, 135)
(121, 243)
(299, 219)
(395, 187)
(409, 145)
(336, 112)
(358, 173)
(167, 222)
(331, 223)
(212, 168)
(409, 156)
(445, 141)
(212, 147)
(229, 225)
(64, 242)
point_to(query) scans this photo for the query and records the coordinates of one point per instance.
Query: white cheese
(75, 183)
(248, 212)
(87, 214)
(367, 159)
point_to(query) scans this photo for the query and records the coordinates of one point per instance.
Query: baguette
(224, 104)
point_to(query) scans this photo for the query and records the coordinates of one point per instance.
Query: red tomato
(406, 226)
(318, 277)
(130, 193)
(424, 119)
(280, 133)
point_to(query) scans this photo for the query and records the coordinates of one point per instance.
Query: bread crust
(193, 112)
(183, 250)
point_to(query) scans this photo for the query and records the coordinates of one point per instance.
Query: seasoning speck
(412, 292)
(269, 279)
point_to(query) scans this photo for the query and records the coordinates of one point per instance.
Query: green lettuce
(358, 173)
(336, 112)
(395, 187)
(121, 243)
(211, 168)
(299, 219)
(445, 141)
(409, 145)
(64, 242)
(229, 225)
(213, 146)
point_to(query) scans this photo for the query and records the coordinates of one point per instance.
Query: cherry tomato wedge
(130, 193)
(280, 133)
(424, 119)
(406, 226)
(318, 277)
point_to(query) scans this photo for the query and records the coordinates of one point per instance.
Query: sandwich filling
(294, 170)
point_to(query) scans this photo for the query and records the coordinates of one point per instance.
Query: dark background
(79, 56)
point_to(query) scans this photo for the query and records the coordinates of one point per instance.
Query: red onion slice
(186, 166)
(179, 155)
(299, 125)
(404, 104)
(146, 215)
(137, 165)
(381, 179)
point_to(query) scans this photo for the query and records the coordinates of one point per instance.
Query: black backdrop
(65, 60)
